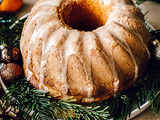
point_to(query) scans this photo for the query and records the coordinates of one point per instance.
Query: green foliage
(28, 100)
(7, 35)
(156, 103)
(41, 106)
(138, 2)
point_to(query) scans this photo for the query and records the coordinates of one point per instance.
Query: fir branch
(42, 106)
(7, 18)
(138, 2)
(7, 35)
(28, 100)
(156, 103)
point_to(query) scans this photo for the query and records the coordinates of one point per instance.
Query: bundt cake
(86, 50)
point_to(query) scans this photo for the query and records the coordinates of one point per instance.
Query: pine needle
(41, 106)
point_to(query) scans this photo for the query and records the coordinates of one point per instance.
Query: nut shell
(11, 73)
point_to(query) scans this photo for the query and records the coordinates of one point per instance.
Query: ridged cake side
(86, 66)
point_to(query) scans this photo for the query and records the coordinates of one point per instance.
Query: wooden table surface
(153, 19)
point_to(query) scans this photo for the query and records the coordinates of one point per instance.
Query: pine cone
(7, 112)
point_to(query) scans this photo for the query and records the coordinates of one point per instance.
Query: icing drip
(140, 37)
(125, 14)
(57, 39)
(34, 18)
(28, 74)
(107, 2)
(112, 2)
(107, 41)
(54, 3)
(36, 34)
(119, 11)
(70, 47)
(89, 100)
(89, 43)
(51, 27)
(43, 87)
(114, 29)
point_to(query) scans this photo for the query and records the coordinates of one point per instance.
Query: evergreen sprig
(29, 100)
(42, 106)
(138, 2)
(8, 35)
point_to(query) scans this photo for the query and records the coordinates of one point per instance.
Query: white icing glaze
(140, 37)
(57, 39)
(121, 11)
(28, 74)
(115, 30)
(36, 34)
(43, 87)
(114, 2)
(69, 42)
(54, 3)
(116, 86)
(35, 17)
(107, 2)
(51, 25)
(107, 41)
(89, 100)
(89, 43)
(70, 47)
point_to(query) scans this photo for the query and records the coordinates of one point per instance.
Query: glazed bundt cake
(86, 50)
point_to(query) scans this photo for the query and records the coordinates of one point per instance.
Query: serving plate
(136, 111)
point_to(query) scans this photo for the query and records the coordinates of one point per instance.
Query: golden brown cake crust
(86, 50)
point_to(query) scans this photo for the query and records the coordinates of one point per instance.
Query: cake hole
(85, 15)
